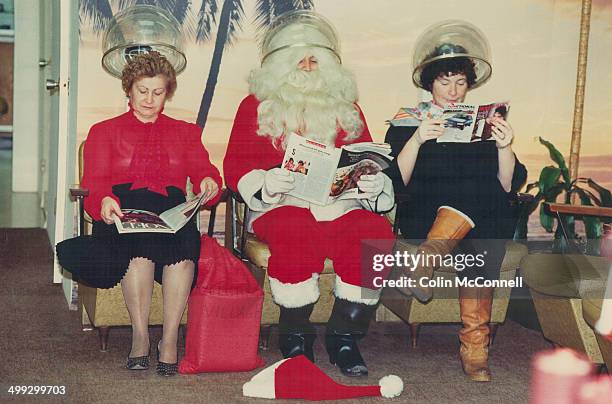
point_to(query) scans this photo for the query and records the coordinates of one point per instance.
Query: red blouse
(149, 155)
(248, 151)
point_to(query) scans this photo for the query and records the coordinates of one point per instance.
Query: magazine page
(465, 123)
(459, 123)
(180, 215)
(140, 221)
(485, 116)
(313, 166)
(356, 160)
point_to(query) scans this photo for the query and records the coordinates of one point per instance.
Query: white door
(61, 159)
(49, 95)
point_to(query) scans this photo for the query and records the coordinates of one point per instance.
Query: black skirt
(101, 259)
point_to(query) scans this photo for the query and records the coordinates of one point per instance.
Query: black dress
(102, 259)
(463, 176)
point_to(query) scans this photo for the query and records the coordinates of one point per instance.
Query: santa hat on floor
(299, 378)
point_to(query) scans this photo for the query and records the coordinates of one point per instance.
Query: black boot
(347, 324)
(296, 333)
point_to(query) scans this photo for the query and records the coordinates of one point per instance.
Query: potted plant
(555, 183)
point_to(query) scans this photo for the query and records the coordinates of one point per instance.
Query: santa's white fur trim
(466, 217)
(356, 294)
(391, 386)
(292, 295)
(262, 384)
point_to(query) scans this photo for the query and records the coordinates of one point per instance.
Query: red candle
(596, 391)
(557, 376)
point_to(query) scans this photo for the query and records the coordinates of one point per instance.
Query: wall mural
(534, 46)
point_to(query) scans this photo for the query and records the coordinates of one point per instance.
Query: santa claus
(302, 88)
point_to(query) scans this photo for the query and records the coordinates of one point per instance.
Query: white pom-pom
(391, 386)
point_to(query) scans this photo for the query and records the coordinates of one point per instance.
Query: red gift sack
(224, 315)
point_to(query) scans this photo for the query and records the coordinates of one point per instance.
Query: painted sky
(534, 45)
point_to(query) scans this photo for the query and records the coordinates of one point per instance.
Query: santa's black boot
(296, 333)
(347, 324)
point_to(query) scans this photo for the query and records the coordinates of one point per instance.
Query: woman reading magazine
(141, 160)
(455, 190)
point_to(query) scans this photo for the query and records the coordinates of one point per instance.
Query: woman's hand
(209, 188)
(502, 132)
(429, 129)
(109, 208)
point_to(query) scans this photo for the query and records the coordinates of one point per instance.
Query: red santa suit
(301, 235)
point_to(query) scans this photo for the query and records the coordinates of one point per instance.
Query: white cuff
(292, 295)
(251, 183)
(262, 384)
(356, 294)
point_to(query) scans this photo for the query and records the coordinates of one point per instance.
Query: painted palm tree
(228, 27)
(228, 22)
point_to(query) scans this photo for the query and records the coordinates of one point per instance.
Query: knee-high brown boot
(475, 306)
(449, 227)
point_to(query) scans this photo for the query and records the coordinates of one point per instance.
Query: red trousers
(299, 244)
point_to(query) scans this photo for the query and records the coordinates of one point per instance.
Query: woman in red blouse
(141, 160)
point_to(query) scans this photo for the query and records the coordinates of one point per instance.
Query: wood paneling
(6, 80)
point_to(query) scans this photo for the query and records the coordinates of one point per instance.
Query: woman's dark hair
(502, 110)
(447, 67)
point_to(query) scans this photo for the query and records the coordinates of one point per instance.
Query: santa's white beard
(315, 104)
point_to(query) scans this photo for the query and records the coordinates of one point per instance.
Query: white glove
(372, 185)
(277, 181)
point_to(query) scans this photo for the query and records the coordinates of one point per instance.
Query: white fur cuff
(356, 294)
(292, 295)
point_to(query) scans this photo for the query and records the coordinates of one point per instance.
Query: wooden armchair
(105, 308)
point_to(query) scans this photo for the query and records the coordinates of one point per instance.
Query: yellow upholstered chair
(558, 283)
(444, 306)
(591, 310)
(105, 308)
(255, 253)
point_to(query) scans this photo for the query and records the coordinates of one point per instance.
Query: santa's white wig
(315, 103)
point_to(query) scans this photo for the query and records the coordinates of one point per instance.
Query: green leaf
(592, 225)
(546, 220)
(557, 157)
(549, 177)
(552, 194)
(605, 196)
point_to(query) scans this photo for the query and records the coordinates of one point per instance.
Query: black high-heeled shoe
(138, 362)
(166, 369)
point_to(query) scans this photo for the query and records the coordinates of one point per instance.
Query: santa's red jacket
(249, 156)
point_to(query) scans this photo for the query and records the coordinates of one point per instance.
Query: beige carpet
(42, 344)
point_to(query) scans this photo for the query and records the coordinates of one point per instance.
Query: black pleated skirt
(101, 259)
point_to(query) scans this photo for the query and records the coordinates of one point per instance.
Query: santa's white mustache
(307, 82)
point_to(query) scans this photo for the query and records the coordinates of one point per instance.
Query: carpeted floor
(42, 344)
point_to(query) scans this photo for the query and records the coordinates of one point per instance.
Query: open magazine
(467, 123)
(324, 173)
(169, 221)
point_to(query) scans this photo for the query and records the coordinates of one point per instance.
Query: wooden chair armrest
(579, 210)
(524, 197)
(78, 192)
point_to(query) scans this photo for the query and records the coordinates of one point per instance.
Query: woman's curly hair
(148, 65)
(446, 67)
